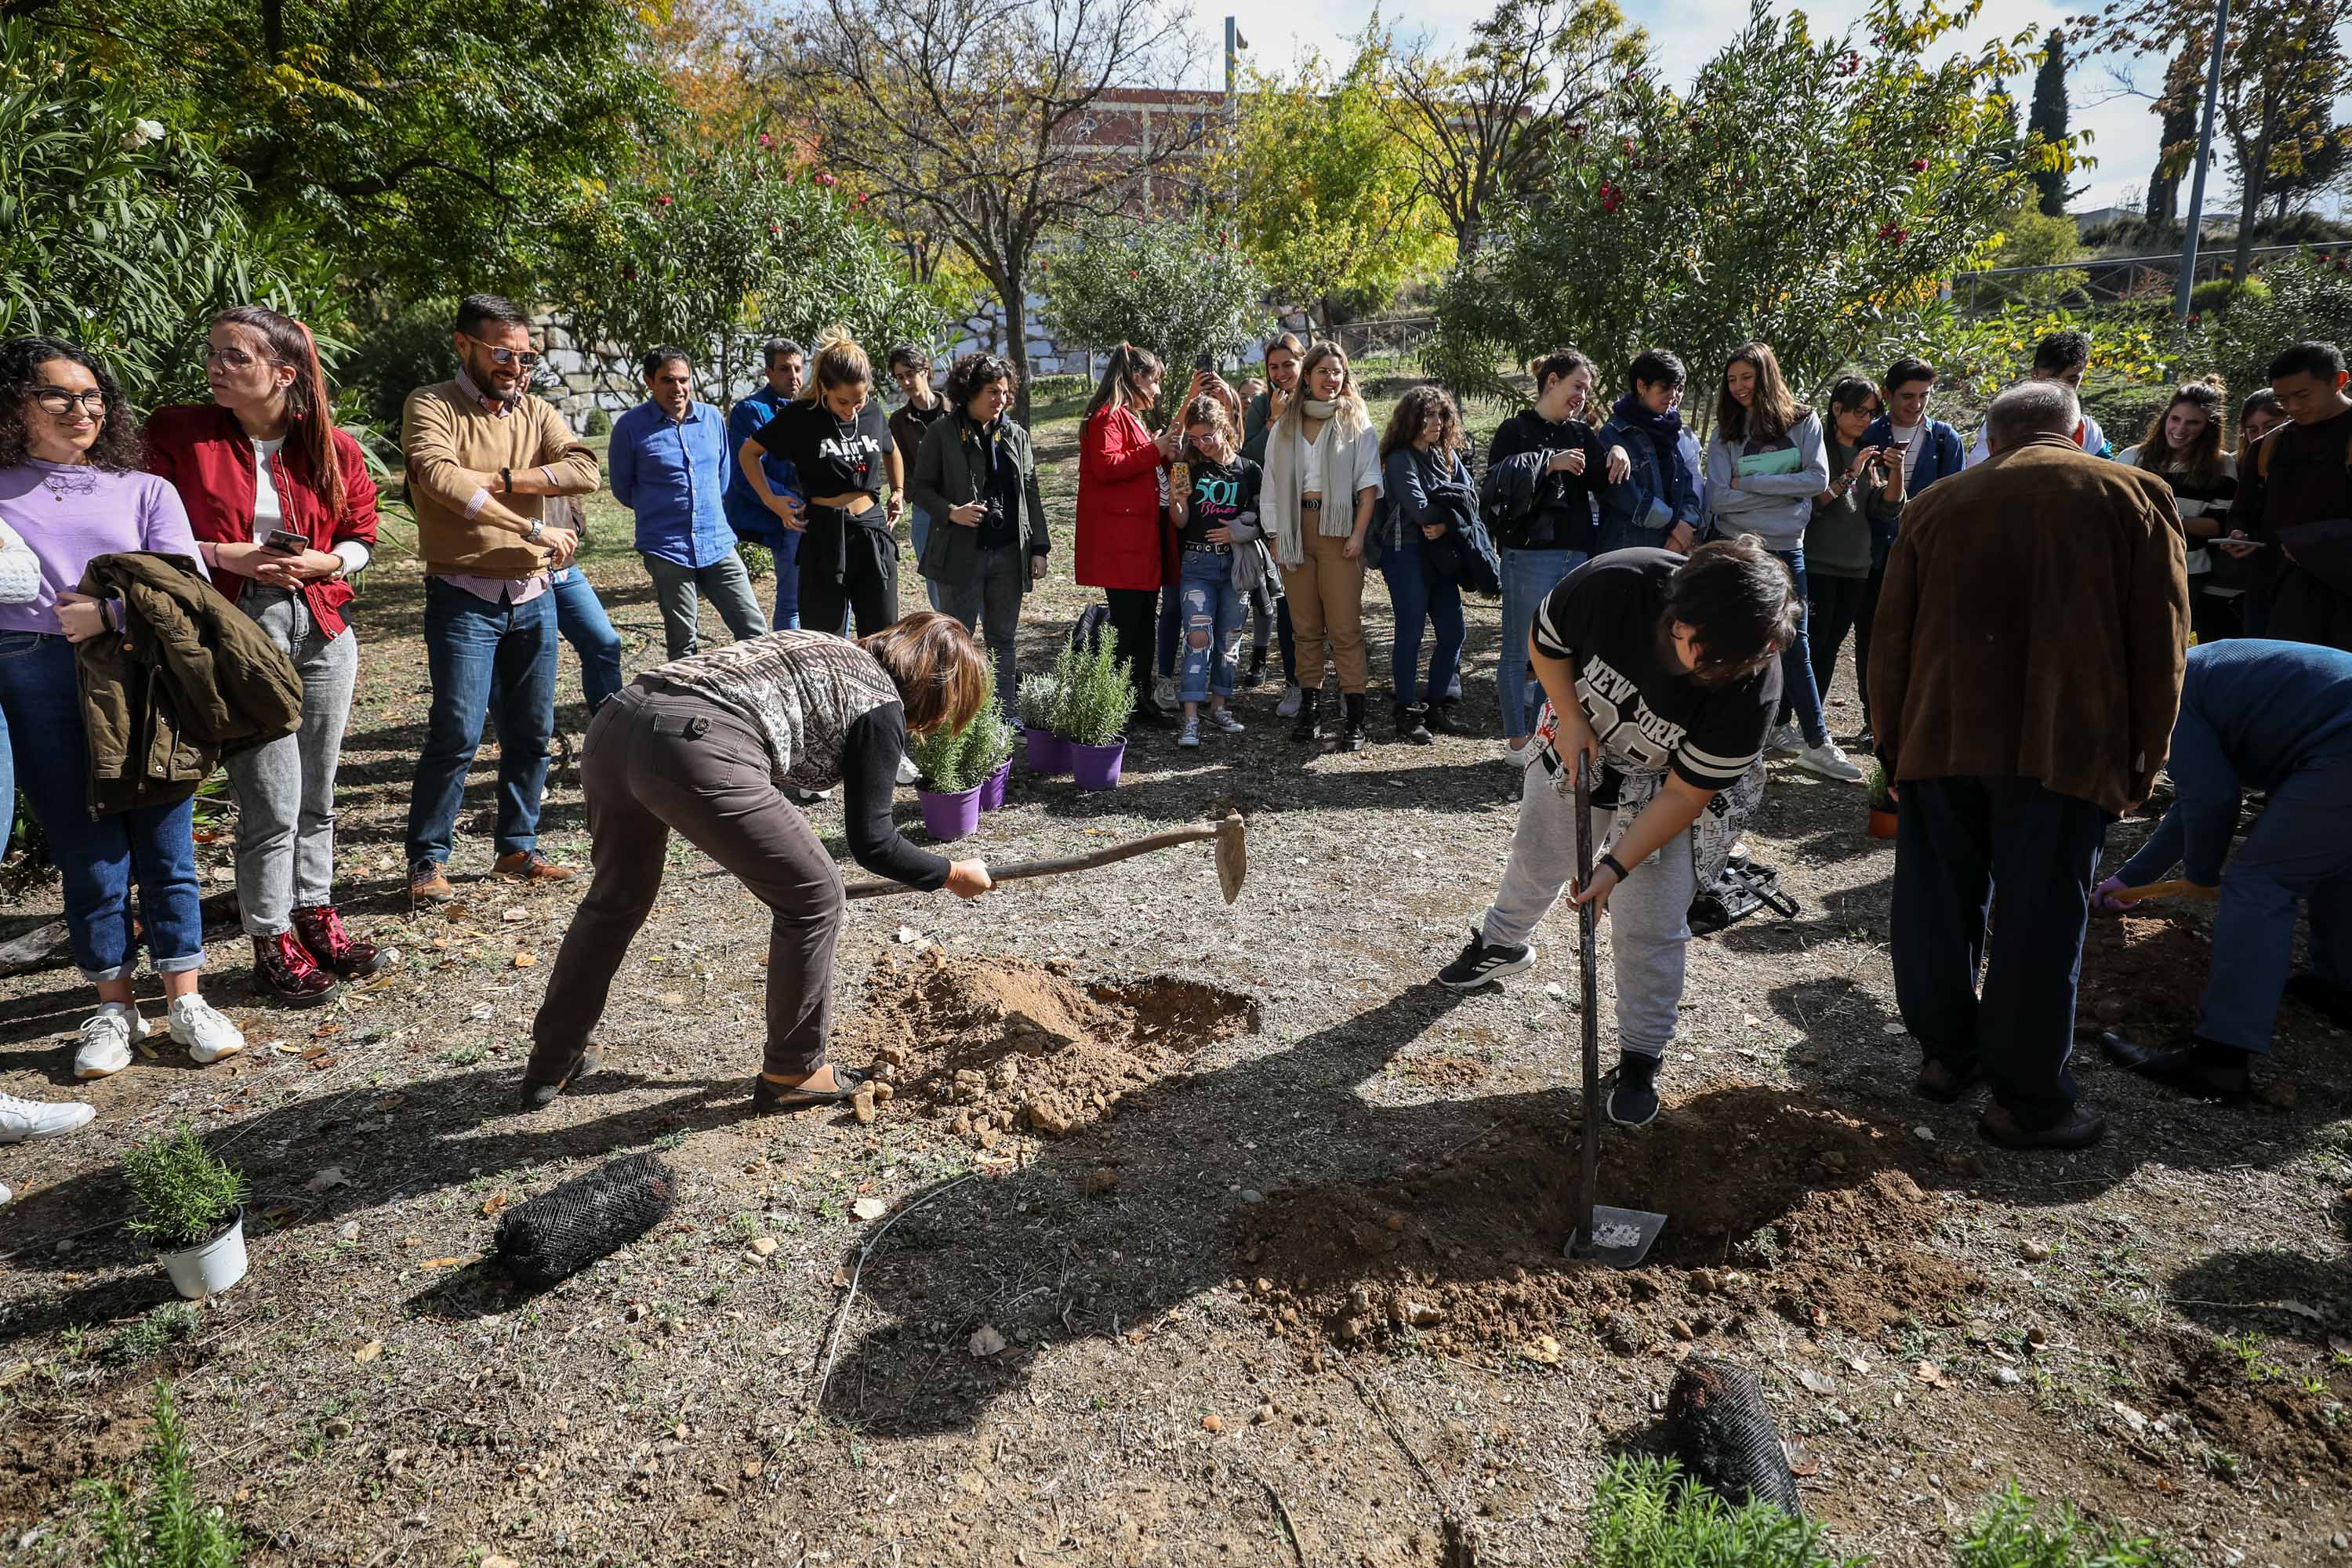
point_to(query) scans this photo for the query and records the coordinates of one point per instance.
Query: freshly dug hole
(995, 1047)
(1774, 1202)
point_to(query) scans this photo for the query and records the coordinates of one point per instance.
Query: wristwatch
(538, 527)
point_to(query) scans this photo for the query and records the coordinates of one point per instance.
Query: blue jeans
(1417, 600)
(483, 657)
(919, 529)
(1956, 840)
(1212, 610)
(1798, 693)
(1622, 533)
(2301, 851)
(1171, 596)
(580, 616)
(99, 857)
(1527, 576)
(787, 557)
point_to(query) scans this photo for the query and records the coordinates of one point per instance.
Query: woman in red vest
(284, 510)
(1125, 546)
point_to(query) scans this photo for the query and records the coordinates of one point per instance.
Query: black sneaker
(1633, 1096)
(1480, 964)
(2331, 1003)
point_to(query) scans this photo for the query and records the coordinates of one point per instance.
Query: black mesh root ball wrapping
(1725, 1438)
(566, 1229)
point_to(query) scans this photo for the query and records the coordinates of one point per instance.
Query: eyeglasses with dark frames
(59, 402)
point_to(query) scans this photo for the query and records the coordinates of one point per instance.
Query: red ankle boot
(284, 971)
(321, 931)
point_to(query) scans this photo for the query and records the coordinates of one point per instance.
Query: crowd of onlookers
(1258, 508)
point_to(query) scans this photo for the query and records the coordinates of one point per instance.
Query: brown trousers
(1327, 609)
(657, 760)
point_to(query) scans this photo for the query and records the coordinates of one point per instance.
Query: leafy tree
(125, 233)
(2183, 82)
(2280, 76)
(717, 248)
(1326, 194)
(2047, 119)
(1804, 192)
(428, 142)
(2308, 296)
(989, 122)
(1177, 287)
(1478, 123)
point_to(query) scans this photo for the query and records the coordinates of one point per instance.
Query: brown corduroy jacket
(2033, 624)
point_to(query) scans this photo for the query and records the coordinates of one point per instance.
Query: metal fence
(2097, 280)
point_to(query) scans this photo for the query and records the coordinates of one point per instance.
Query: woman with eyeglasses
(71, 484)
(284, 513)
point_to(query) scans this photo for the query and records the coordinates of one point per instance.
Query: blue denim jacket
(746, 513)
(1625, 509)
(671, 473)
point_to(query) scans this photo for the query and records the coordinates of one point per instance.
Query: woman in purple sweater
(72, 486)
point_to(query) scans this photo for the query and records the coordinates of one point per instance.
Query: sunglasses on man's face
(505, 358)
(57, 401)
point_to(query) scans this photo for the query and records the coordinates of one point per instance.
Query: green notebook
(1782, 461)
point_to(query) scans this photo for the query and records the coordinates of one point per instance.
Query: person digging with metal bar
(1661, 674)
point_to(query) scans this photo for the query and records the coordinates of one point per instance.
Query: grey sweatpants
(727, 582)
(286, 790)
(1649, 913)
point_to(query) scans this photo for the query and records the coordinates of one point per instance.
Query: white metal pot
(212, 1267)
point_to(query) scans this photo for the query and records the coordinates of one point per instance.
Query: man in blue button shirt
(2273, 716)
(668, 464)
(787, 367)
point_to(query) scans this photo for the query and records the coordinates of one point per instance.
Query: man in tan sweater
(483, 455)
(2024, 671)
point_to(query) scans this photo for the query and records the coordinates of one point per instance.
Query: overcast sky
(1687, 31)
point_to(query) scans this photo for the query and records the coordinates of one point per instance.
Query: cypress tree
(2046, 120)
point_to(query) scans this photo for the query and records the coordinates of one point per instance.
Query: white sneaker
(7, 1197)
(1454, 687)
(24, 1118)
(1163, 690)
(908, 772)
(1190, 736)
(1782, 740)
(1291, 698)
(1829, 761)
(207, 1034)
(106, 1038)
(1223, 718)
(1523, 754)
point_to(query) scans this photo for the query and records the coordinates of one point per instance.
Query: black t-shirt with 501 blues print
(832, 457)
(1220, 492)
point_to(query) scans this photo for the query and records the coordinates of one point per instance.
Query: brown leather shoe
(284, 971)
(427, 884)
(2079, 1129)
(529, 866)
(1945, 1082)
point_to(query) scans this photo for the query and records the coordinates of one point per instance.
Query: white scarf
(1285, 459)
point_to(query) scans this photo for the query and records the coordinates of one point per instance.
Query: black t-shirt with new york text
(1220, 492)
(832, 457)
(1649, 715)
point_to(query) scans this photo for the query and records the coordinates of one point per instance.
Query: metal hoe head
(1233, 856)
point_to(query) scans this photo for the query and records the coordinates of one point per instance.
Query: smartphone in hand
(286, 541)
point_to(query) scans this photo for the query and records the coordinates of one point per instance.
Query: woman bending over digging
(1661, 673)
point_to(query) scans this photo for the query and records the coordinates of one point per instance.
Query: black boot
(1352, 735)
(1410, 723)
(1445, 719)
(2196, 1068)
(1309, 726)
(1257, 671)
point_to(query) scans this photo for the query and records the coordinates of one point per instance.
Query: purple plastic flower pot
(991, 794)
(947, 817)
(1049, 754)
(1097, 767)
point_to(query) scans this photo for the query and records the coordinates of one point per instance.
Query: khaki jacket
(185, 679)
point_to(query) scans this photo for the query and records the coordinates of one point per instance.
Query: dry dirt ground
(1204, 1234)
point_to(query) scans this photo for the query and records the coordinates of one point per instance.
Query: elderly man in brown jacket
(2025, 673)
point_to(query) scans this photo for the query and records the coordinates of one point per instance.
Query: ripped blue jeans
(1210, 608)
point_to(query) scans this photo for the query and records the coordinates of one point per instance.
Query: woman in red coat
(1124, 544)
(284, 510)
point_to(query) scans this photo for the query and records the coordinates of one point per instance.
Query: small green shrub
(993, 741)
(1881, 787)
(186, 1193)
(758, 560)
(151, 1335)
(1645, 1516)
(2218, 294)
(170, 1528)
(1094, 697)
(598, 422)
(2012, 1533)
(1036, 700)
(940, 757)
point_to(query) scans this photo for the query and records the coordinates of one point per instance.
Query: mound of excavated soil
(2142, 972)
(998, 1047)
(1775, 1203)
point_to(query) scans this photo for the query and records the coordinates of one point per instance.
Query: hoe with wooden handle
(1232, 859)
